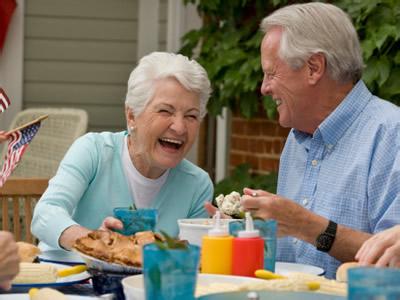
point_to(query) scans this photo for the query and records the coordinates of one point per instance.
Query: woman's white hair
(160, 65)
(318, 28)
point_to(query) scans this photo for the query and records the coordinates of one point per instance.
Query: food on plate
(64, 272)
(341, 273)
(35, 273)
(46, 294)
(265, 274)
(114, 247)
(230, 204)
(300, 282)
(27, 252)
(216, 287)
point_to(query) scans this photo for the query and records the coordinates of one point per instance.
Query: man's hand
(211, 210)
(382, 249)
(289, 215)
(9, 259)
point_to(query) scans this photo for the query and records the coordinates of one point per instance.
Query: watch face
(324, 242)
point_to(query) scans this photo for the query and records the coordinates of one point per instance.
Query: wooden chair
(18, 197)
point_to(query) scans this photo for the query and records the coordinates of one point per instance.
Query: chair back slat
(16, 218)
(18, 198)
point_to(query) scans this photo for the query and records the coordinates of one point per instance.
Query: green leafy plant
(377, 24)
(228, 47)
(169, 242)
(241, 178)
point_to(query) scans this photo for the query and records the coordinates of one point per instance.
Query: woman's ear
(316, 65)
(130, 117)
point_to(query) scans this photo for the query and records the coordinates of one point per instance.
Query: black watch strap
(325, 240)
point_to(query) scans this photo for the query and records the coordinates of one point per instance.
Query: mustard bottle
(216, 251)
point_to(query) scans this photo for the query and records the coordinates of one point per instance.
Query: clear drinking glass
(170, 274)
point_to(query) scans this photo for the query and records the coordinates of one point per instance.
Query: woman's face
(166, 129)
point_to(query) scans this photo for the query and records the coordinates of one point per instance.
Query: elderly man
(339, 177)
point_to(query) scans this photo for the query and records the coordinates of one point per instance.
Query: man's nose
(265, 88)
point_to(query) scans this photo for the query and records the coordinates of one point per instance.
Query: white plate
(26, 297)
(61, 257)
(102, 265)
(62, 281)
(284, 268)
(133, 285)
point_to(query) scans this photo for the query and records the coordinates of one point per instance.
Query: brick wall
(258, 141)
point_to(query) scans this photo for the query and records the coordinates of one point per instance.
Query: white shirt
(143, 189)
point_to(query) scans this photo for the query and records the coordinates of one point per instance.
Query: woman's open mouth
(170, 143)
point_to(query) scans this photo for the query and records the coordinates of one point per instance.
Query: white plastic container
(193, 230)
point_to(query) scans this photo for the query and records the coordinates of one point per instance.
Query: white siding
(79, 53)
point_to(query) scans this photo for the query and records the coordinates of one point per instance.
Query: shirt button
(294, 241)
(314, 162)
(305, 201)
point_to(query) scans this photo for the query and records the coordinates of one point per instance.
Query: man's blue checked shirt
(347, 171)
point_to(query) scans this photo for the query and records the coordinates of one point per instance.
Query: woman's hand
(382, 249)
(9, 259)
(3, 136)
(111, 223)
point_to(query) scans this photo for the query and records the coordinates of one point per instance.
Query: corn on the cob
(47, 294)
(36, 273)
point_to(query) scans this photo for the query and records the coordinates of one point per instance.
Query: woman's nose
(178, 125)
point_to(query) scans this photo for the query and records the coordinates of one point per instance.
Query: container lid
(217, 229)
(249, 232)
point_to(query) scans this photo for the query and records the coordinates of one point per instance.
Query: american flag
(4, 100)
(18, 142)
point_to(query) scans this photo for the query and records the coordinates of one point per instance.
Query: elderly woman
(143, 166)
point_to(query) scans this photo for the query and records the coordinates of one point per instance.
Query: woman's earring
(131, 130)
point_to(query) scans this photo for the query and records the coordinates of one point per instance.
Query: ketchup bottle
(216, 251)
(248, 250)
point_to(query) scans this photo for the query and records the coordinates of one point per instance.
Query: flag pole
(27, 124)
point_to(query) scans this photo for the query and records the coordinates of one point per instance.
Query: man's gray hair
(318, 28)
(160, 65)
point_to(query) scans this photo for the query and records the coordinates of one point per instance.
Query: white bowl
(206, 284)
(193, 230)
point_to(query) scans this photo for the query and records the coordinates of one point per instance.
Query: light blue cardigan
(90, 182)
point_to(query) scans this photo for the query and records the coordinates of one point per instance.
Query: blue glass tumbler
(373, 283)
(170, 274)
(135, 220)
(267, 230)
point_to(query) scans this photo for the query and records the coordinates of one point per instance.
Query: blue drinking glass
(135, 220)
(267, 230)
(373, 283)
(170, 274)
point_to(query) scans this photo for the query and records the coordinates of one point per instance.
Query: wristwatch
(325, 240)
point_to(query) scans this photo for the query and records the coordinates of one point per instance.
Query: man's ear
(316, 65)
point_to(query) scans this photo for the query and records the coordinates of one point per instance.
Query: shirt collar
(336, 124)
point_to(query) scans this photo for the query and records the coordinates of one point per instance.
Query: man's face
(286, 86)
